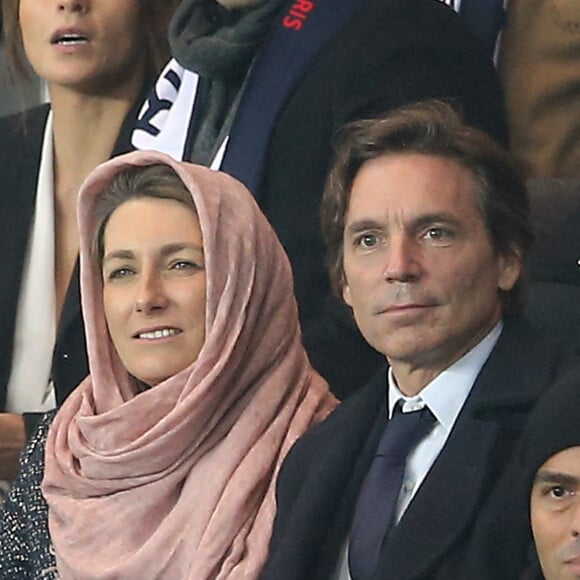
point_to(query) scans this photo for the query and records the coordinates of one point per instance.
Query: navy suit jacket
(468, 520)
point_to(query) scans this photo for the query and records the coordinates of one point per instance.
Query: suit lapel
(473, 458)
(311, 535)
(71, 309)
(358, 462)
(442, 508)
(19, 162)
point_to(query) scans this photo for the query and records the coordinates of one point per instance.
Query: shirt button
(65, 355)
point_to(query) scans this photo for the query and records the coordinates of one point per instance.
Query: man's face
(555, 515)
(421, 274)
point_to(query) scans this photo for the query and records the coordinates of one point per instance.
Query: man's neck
(413, 376)
(411, 381)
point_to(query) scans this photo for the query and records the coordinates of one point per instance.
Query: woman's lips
(157, 333)
(69, 37)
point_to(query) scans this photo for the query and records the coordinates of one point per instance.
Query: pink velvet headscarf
(178, 482)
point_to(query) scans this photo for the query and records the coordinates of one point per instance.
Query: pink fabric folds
(178, 482)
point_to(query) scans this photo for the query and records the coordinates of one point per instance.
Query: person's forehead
(565, 462)
(413, 184)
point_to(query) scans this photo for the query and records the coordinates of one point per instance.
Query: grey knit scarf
(220, 45)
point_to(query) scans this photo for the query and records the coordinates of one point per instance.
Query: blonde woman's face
(154, 287)
(87, 45)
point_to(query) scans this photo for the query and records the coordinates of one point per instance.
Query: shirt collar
(446, 393)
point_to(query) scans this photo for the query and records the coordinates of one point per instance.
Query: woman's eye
(185, 265)
(119, 273)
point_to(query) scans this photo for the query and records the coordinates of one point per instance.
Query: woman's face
(90, 45)
(154, 287)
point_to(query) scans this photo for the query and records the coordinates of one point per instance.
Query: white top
(35, 332)
(444, 396)
(455, 4)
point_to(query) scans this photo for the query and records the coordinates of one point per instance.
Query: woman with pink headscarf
(162, 463)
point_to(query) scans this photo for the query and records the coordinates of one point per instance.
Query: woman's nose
(151, 295)
(74, 5)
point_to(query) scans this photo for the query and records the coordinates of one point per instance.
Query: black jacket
(20, 152)
(468, 519)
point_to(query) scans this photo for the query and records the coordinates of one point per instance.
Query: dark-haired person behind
(550, 464)
(162, 462)
(97, 57)
(427, 225)
(271, 81)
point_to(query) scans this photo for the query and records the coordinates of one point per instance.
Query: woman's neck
(85, 130)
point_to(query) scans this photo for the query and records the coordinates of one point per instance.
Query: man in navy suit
(427, 226)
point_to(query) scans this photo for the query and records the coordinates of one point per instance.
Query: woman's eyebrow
(175, 247)
(119, 255)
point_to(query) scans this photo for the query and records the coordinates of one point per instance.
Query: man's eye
(367, 241)
(438, 234)
(558, 492)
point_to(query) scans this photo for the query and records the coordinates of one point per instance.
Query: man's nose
(575, 518)
(403, 260)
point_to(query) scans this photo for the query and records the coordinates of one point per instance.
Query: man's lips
(573, 565)
(569, 555)
(403, 308)
(570, 552)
